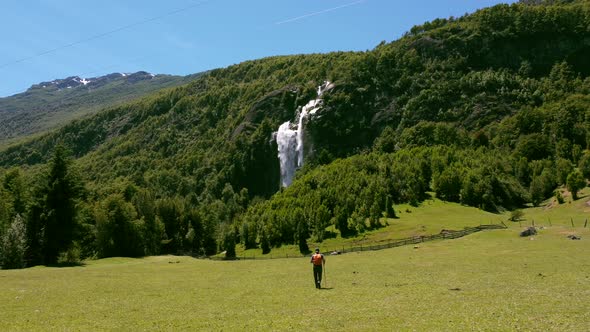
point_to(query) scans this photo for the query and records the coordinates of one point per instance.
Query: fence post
(550, 222)
(586, 223)
(533, 222)
(572, 220)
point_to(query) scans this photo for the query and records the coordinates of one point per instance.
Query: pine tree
(209, 241)
(34, 228)
(302, 235)
(59, 206)
(229, 244)
(264, 243)
(14, 183)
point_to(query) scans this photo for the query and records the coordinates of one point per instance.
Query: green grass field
(487, 281)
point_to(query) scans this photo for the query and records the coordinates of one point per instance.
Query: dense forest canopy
(490, 110)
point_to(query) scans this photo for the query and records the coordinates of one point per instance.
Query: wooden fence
(443, 235)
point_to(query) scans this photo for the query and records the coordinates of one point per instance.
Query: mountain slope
(441, 72)
(490, 110)
(48, 105)
(438, 73)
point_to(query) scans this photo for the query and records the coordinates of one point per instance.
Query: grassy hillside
(433, 215)
(552, 213)
(429, 218)
(486, 281)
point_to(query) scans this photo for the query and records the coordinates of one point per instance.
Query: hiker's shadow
(326, 288)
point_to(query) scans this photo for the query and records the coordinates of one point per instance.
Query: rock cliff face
(139, 76)
(69, 82)
(279, 105)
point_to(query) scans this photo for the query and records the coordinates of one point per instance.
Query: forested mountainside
(490, 110)
(48, 105)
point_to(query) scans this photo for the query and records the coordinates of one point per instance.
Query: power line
(293, 19)
(104, 34)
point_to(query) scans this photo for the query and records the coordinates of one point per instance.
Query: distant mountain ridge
(48, 105)
(94, 82)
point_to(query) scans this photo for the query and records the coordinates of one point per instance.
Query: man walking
(318, 261)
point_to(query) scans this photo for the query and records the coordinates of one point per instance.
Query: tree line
(55, 218)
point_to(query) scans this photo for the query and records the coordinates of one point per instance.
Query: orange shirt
(317, 259)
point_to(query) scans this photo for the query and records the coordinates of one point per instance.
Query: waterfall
(287, 142)
(290, 140)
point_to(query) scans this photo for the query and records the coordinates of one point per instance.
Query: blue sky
(42, 40)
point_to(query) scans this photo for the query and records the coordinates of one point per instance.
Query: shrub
(516, 215)
(229, 244)
(264, 243)
(575, 182)
(71, 256)
(584, 165)
(559, 197)
(13, 245)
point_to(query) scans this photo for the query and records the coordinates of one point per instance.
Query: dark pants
(317, 275)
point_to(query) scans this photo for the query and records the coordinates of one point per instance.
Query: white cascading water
(287, 142)
(290, 140)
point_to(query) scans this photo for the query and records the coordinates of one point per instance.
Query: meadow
(430, 218)
(488, 281)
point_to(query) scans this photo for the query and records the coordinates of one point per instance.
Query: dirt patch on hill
(567, 197)
(551, 204)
